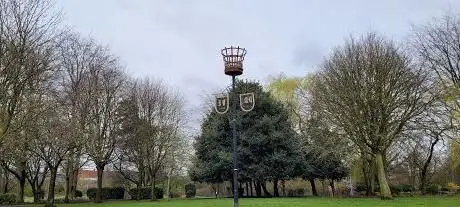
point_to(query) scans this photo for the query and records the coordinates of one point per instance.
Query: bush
(432, 189)
(190, 190)
(360, 188)
(146, 193)
(8, 198)
(174, 195)
(107, 193)
(298, 192)
(395, 189)
(78, 194)
(453, 187)
(406, 188)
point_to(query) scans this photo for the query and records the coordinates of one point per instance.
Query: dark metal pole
(235, 166)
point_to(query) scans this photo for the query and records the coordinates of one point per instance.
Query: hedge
(146, 193)
(8, 198)
(78, 194)
(107, 193)
(432, 189)
(190, 190)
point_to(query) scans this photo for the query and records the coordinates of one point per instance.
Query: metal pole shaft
(235, 166)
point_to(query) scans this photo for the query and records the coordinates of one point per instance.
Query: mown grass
(287, 202)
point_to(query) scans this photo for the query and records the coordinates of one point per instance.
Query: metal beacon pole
(233, 60)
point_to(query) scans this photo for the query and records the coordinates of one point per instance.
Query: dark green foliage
(107, 193)
(406, 188)
(360, 188)
(78, 194)
(268, 147)
(190, 190)
(395, 189)
(146, 193)
(323, 152)
(8, 198)
(432, 189)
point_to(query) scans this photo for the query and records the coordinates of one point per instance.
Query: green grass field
(288, 202)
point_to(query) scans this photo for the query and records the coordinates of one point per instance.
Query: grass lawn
(287, 202)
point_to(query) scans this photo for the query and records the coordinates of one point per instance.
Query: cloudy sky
(180, 40)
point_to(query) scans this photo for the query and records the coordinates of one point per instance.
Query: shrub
(290, 193)
(8, 198)
(395, 189)
(146, 193)
(78, 194)
(107, 193)
(174, 195)
(432, 189)
(298, 192)
(59, 188)
(406, 188)
(190, 190)
(453, 187)
(360, 188)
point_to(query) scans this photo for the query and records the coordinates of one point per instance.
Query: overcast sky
(180, 40)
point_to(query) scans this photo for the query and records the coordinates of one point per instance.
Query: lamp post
(233, 60)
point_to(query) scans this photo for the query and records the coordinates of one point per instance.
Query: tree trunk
(7, 181)
(313, 187)
(52, 184)
(22, 183)
(423, 173)
(324, 187)
(332, 187)
(258, 189)
(283, 187)
(247, 189)
(100, 173)
(168, 187)
(33, 186)
(373, 176)
(250, 186)
(275, 188)
(264, 187)
(369, 173)
(152, 190)
(385, 192)
(68, 175)
(73, 187)
(2, 181)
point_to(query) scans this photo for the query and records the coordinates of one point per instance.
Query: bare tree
(437, 45)
(425, 132)
(14, 160)
(151, 118)
(131, 151)
(165, 122)
(103, 91)
(36, 172)
(52, 143)
(370, 90)
(76, 56)
(27, 32)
